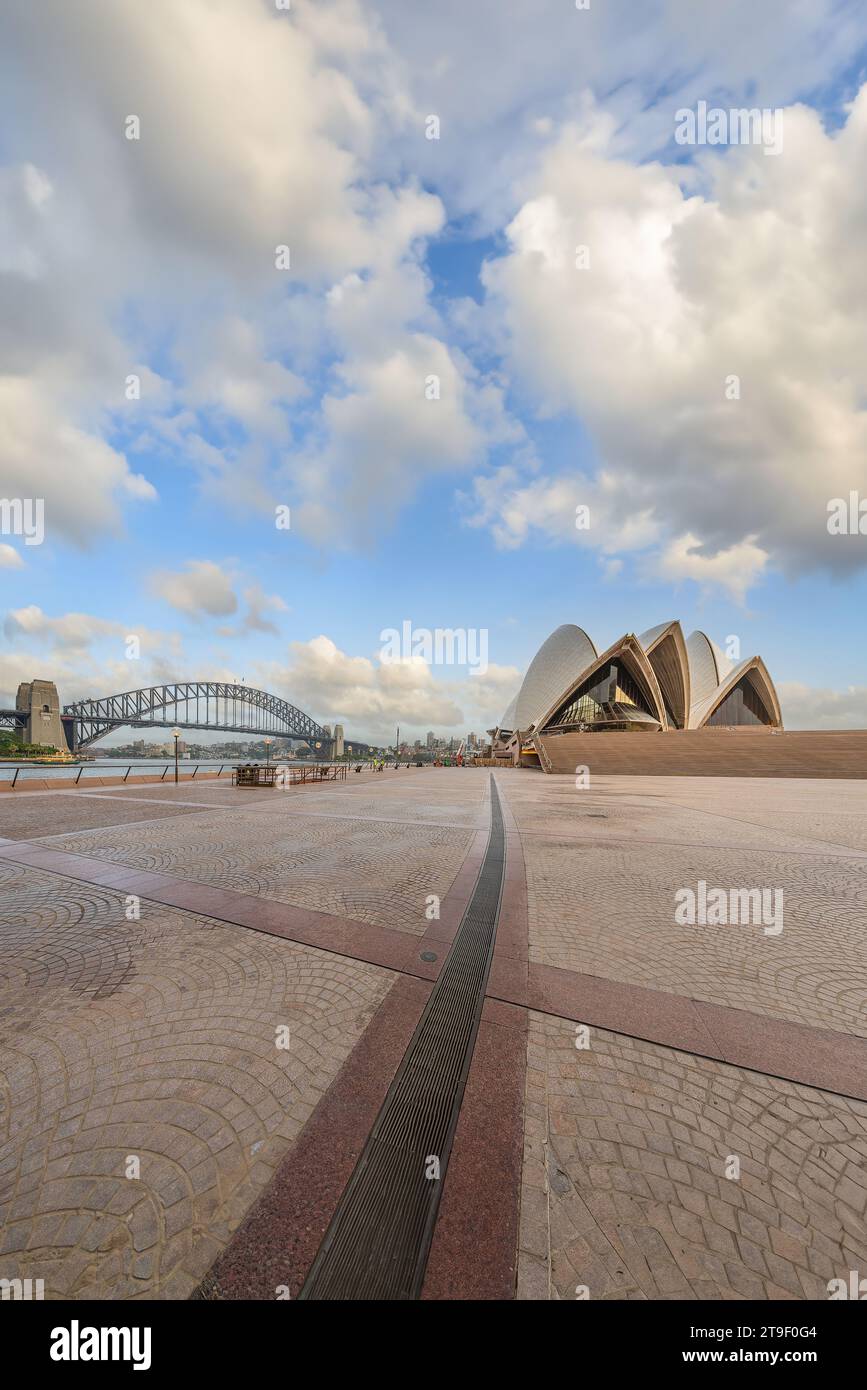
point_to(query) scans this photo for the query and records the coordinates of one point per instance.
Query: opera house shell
(659, 682)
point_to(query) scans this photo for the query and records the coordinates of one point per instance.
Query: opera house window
(741, 706)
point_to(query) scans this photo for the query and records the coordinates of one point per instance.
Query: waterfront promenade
(206, 994)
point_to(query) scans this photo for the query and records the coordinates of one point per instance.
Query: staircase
(710, 753)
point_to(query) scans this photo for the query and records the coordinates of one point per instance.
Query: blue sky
(412, 260)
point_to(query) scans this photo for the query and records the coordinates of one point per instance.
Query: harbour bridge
(214, 705)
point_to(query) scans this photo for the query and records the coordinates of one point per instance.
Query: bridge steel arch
(218, 705)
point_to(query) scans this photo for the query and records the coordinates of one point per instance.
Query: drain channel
(378, 1242)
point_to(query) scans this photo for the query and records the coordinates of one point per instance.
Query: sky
(317, 319)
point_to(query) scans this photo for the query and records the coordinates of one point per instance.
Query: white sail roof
(558, 662)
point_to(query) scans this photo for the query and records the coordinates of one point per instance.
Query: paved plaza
(206, 993)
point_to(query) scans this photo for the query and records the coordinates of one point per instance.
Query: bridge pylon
(40, 702)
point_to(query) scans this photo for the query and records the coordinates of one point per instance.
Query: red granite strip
(512, 939)
(278, 1240)
(797, 1052)
(122, 797)
(261, 803)
(474, 1250)
(509, 968)
(794, 1052)
(38, 856)
(821, 1057)
(475, 1246)
(378, 945)
(384, 946)
(509, 980)
(621, 1008)
(19, 849)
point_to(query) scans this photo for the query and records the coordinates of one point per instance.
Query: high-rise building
(430, 739)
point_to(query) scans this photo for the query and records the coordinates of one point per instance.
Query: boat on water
(44, 760)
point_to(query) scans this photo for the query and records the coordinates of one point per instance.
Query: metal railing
(105, 774)
(296, 774)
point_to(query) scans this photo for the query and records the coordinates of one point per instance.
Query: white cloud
(259, 604)
(383, 434)
(808, 707)
(24, 193)
(485, 697)
(262, 127)
(203, 588)
(84, 654)
(74, 630)
(252, 129)
(230, 376)
(9, 558)
(502, 78)
(43, 454)
(64, 639)
(514, 508)
(683, 291)
(370, 699)
(258, 128)
(735, 570)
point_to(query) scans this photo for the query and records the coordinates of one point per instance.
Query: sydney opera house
(659, 682)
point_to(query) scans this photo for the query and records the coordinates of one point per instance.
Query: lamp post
(176, 733)
(267, 742)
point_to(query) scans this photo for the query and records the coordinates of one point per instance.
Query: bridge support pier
(40, 702)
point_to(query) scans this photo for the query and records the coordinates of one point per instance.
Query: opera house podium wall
(710, 753)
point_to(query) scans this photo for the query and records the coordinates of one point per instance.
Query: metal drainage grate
(377, 1244)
